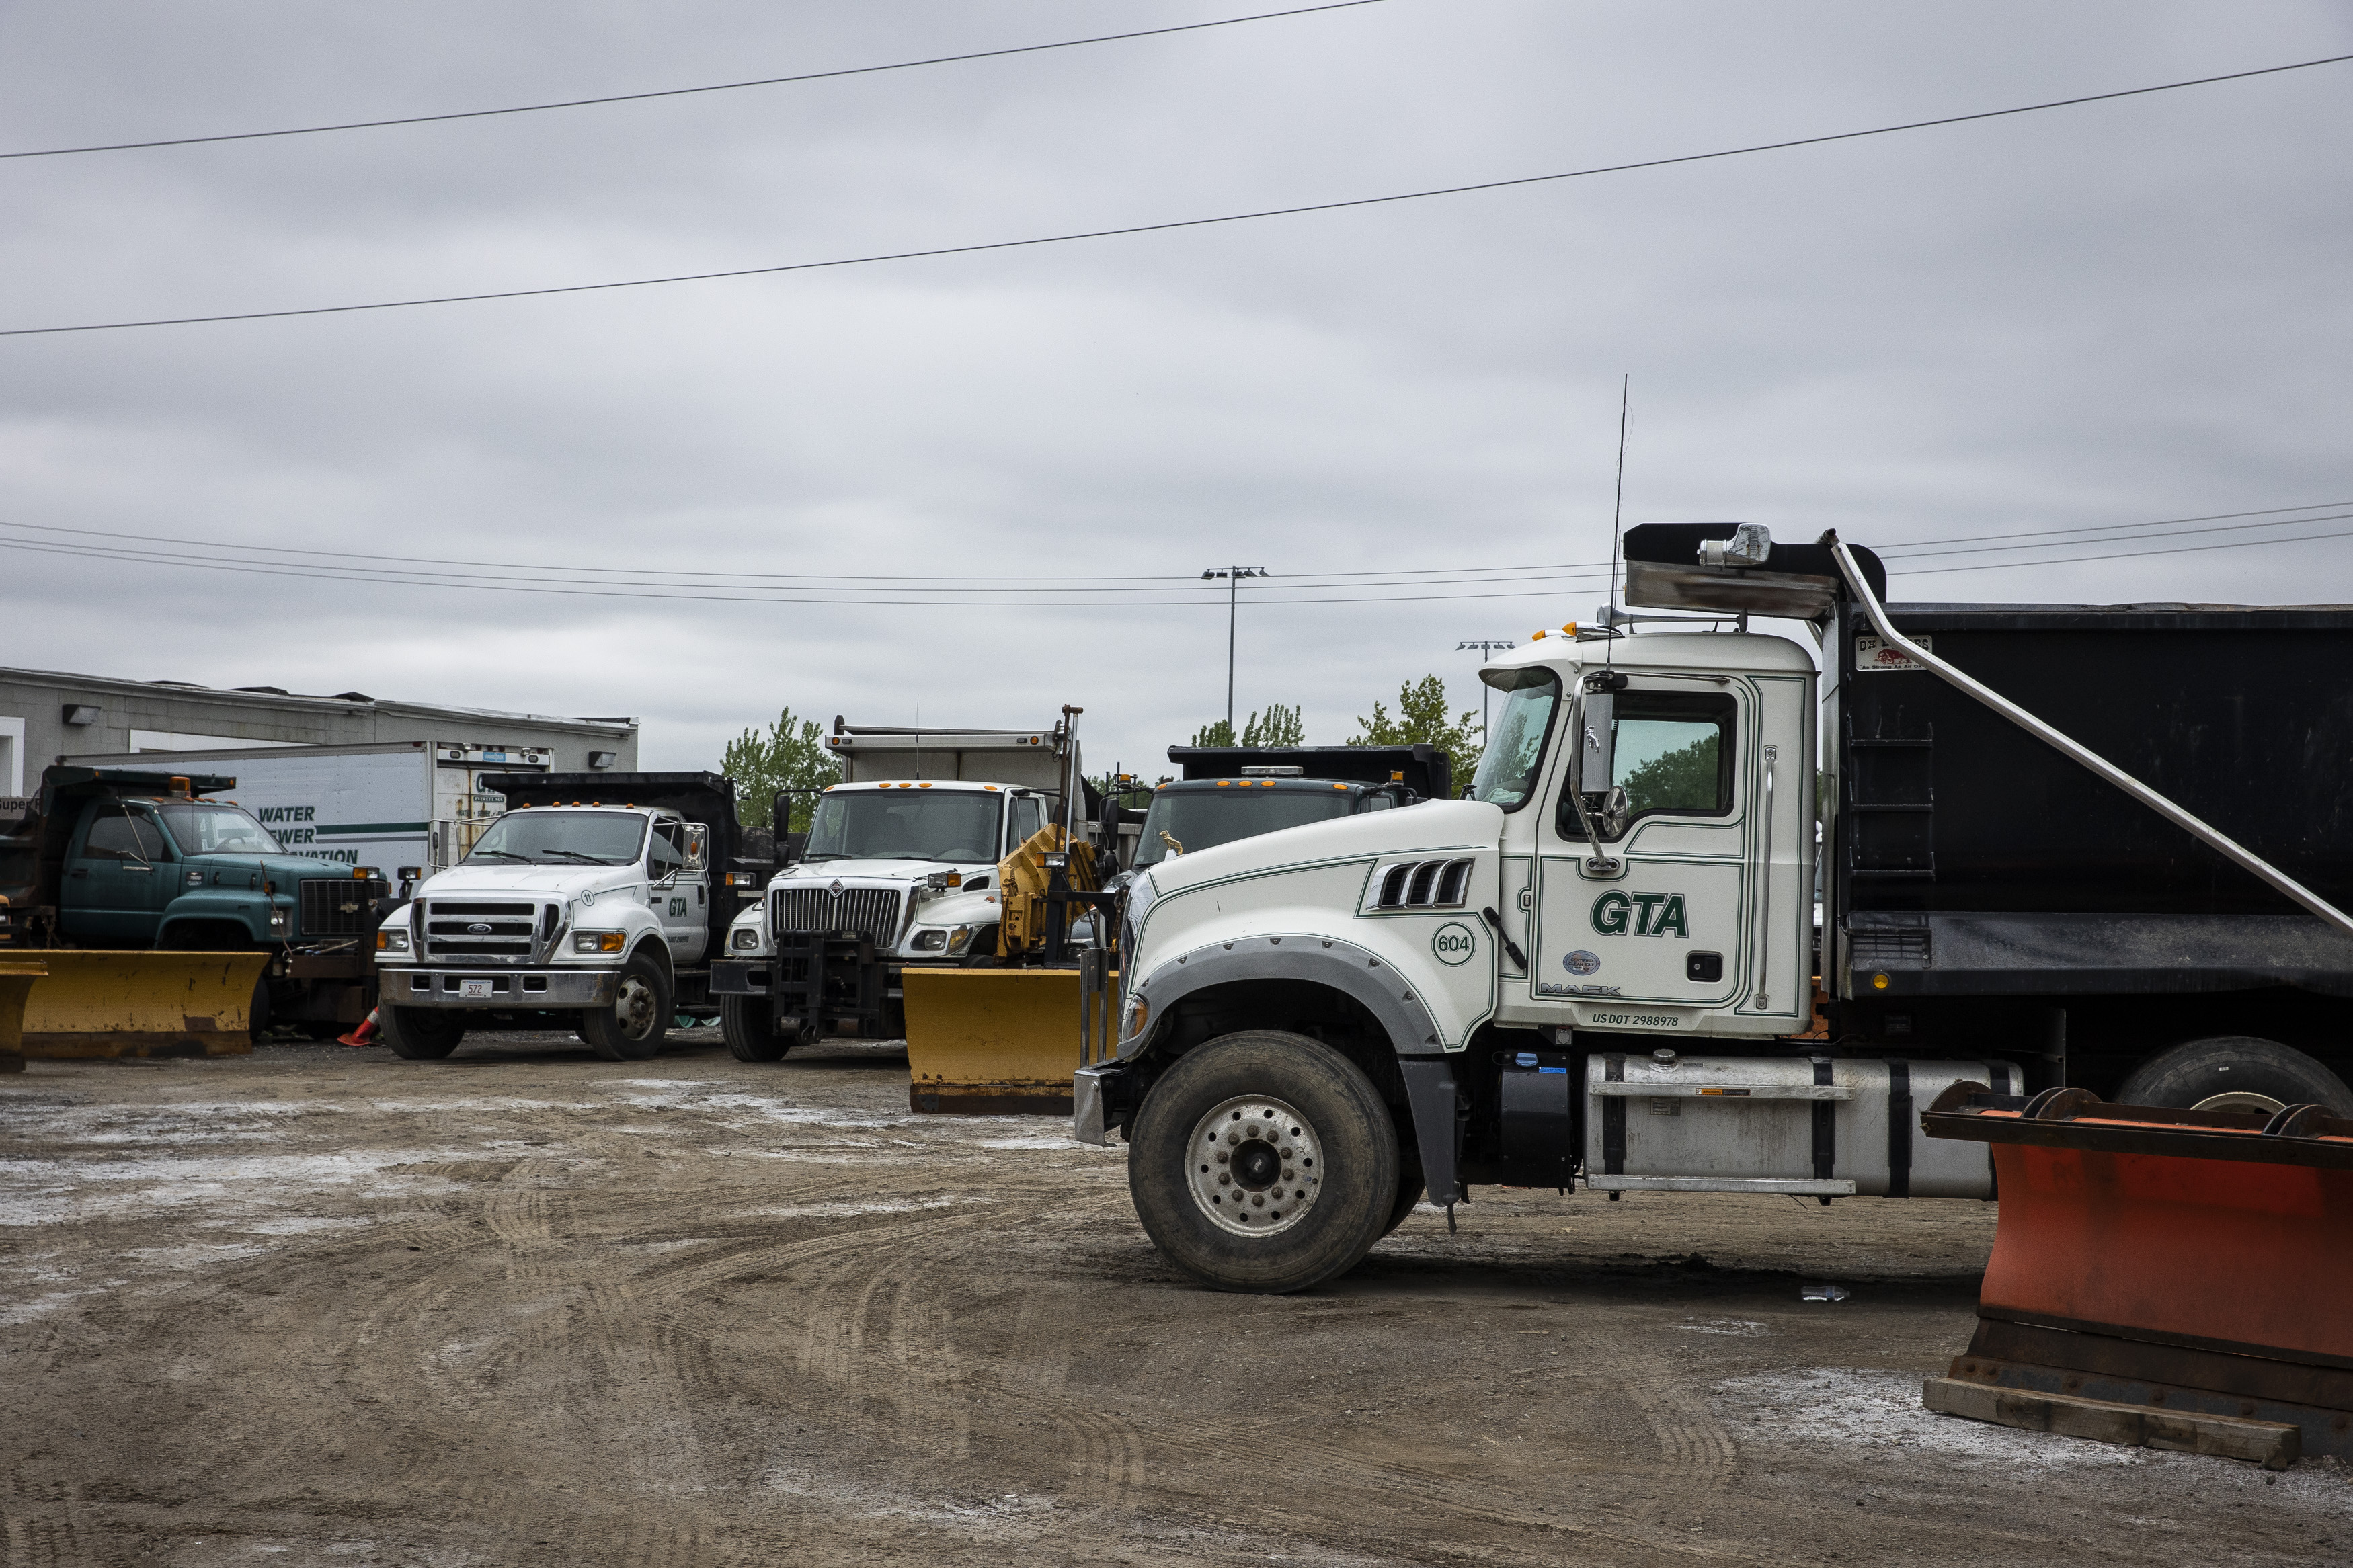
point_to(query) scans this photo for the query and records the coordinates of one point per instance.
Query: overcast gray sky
(2101, 315)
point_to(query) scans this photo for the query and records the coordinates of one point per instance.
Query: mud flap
(1437, 1127)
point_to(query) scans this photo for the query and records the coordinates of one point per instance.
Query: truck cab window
(1029, 817)
(1673, 753)
(118, 833)
(215, 827)
(1507, 770)
(666, 851)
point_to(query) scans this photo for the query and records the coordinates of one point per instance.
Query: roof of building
(274, 697)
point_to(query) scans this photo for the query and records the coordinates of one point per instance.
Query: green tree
(1278, 726)
(1221, 734)
(791, 756)
(1422, 717)
(1281, 727)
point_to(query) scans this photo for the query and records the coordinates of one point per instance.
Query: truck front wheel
(1264, 1161)
(420, 1033)
(631, 1029)
(749, 1026)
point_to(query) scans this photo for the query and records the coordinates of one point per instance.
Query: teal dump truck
(126, 860)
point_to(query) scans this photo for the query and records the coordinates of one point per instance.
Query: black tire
(633, 1027)
(1335, 1214)
(2235, 1065)
(420, 1033)
(747, 1024)
(1410, 1187)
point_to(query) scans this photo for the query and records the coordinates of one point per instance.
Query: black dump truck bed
(1970, 856)
(1427, 771)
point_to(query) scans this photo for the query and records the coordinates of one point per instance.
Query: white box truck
(409, 807)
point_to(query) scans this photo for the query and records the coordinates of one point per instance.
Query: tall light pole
(1233, 576)
(1484, 649)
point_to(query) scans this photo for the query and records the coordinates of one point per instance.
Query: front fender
(245, 907)
(1385, 992)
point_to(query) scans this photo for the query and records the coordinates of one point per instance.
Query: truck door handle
(79, 871)
(1510, 946)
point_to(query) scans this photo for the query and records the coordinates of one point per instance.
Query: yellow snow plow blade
(141, 1004)
(991, 1042)
(16, 983)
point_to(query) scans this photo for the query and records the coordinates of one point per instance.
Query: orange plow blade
(2195, 1264)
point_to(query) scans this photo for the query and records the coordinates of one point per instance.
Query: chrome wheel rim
(2241, 1099)
(633, 1008)
(1254, 1165)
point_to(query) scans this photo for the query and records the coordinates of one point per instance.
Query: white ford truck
(594, 904)
(1610, 967)
(898, 870)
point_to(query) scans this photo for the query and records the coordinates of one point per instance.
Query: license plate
(473, 990)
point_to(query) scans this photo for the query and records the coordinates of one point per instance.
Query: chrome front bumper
(514, 989)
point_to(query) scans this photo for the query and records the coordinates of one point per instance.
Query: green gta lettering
(1643, 914)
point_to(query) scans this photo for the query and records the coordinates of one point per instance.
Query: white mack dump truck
(1613, 964)
(898, 870)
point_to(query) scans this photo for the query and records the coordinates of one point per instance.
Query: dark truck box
(1428, 771)
(1971, 859)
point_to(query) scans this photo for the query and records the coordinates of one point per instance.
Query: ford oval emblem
(478, 928)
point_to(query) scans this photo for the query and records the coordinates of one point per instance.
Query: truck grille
(337, 906)
(460, 929)
(871, 912)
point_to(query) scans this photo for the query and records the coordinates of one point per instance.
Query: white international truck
(1611, 965)
(898, 870)
(595, 903)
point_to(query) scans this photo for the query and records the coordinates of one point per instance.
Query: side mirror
(698, 845)
(1596, 740)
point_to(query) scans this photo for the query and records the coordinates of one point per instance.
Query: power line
(1163, 228)
(2279, 512)
(682, 92)
(949, 590)
(1924, 554)
(324, 574)
(781, 596)
(414, 567)
(2134, 554)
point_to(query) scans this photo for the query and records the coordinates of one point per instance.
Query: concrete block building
(45, 716)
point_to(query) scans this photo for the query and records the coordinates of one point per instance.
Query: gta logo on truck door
(1641, 914)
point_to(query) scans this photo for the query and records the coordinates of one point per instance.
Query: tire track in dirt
(1696, 1446)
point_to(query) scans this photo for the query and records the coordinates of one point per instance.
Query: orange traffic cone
(363, 1035)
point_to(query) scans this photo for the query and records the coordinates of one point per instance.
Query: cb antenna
(1617, 511)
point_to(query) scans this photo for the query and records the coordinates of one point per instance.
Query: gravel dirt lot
(525, 1307)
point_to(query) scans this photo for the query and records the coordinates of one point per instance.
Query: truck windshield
(891, 824)
(1201, 819)
(562, 839)
(213, 827)
(1507, 771)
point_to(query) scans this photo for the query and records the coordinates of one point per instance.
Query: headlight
(959, 939)
(744, 939)
(931, 941)
(1137, 1011)
(390, 941)
(596, 941)
(281, 919)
